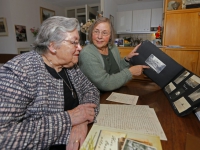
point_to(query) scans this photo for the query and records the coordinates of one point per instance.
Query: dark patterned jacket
(32, 112)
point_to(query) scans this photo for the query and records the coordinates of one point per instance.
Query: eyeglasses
(103, 33)
(75, 43)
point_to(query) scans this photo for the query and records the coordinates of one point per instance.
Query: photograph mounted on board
(46, 13)
(20, 33)
(3, 27)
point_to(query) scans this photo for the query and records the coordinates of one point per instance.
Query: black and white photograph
(170, 87)
(193, 81)
(133, 145)
(155, 63)
(181, 77)
(195, 95)
(20, 33)
(182, 104)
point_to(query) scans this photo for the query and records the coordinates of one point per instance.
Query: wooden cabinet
(124, 21)
(141, 20)
(187, 57)
(124, 51)
(182, 27)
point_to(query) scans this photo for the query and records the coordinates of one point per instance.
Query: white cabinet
(141, 20)
(124, 21)
(156, 17)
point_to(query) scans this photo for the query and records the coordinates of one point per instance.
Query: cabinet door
(187, 58)
(182, 29)
(156, 17)
(71, 13)
(124, 51)
(124, 21)
(141, 20)
(90, 13)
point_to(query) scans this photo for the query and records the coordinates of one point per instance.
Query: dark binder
(181, 87)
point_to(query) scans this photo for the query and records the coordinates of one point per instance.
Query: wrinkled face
(101, 35)
(69, 49)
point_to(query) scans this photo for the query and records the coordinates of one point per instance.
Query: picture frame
(23, 50)
(121, 42)
(3, 27)
(112, 20)
(20, 31)
(46, 13)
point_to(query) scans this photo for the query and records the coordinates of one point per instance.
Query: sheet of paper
(123, 98)
(138, 118)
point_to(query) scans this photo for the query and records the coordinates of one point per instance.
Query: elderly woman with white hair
(45, 100)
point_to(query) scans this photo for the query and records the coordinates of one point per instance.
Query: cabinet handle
(199, 13)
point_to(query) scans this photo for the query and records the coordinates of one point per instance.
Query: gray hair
(97, 22)
(53, 29)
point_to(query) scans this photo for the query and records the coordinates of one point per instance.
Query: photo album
(181, 86)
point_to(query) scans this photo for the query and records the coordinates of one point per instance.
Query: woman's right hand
(138, 69)
(82, 113)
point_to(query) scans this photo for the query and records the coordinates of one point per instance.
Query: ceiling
(72, 3)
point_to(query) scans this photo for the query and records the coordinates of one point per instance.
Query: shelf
(131, 32)
(182, 11)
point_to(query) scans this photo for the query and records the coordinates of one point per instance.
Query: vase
(175, 5)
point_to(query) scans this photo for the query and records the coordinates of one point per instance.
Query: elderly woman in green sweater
(100, 61)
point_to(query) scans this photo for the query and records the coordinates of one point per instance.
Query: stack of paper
(106, 138)
(137, 118)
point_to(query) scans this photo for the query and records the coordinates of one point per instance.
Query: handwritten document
(123, 98)
(137, 118)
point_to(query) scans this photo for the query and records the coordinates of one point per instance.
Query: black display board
(181, 87)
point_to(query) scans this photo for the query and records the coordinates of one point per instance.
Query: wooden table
(175, 127)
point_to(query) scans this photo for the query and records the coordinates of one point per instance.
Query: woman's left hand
(77, 136)
(132, 53)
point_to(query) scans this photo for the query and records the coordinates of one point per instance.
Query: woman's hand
(138, 69)
(77, 136)
(132, 53)
(82, 113)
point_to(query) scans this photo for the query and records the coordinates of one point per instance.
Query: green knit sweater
(92, 65)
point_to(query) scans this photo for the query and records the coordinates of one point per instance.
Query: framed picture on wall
(46, 13)
(20, 33)
(23, 50)
(3, 27)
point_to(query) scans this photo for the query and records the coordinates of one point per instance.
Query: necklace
(69, 86)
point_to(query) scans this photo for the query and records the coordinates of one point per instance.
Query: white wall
(140, 5)
(22, 12)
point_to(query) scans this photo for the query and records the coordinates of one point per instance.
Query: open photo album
(181, 86)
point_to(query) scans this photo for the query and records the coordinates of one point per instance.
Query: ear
(51, 48)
